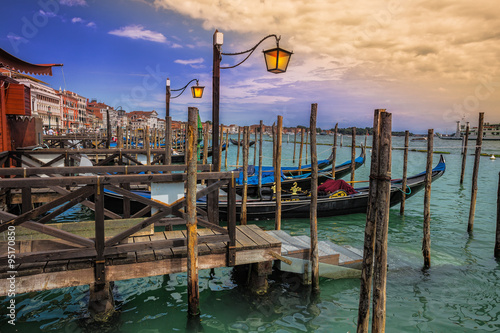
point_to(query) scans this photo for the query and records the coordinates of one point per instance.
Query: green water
(459, 293)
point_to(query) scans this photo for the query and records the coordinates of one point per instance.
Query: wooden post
(301, 147)
(227, 148)
(231, 222)
(147, 146)
(255, 147)
(277, 173)
(497, 238)
(382, 223)
(294, 144)
(314, 202)
(426, 241)
(191, 222)
(261, 128)
(243, 216)
(168, 140)
(341, 139)
(334, 149)
(370, 231)
(108, 130)
(405, 172)
(238, 152)
(221, 132)
(353, 153)
(475, 171)
(307, 141)
(464, 153)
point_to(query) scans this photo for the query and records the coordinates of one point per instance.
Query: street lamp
(196, 92)
(277, 60)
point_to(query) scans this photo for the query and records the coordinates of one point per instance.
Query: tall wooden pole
(301, 146)
(464, 153)
(294, 144)
(191, 222)
(353, 153)
(277, 173)
(307, 141)
(370, 231)
(314, 202)
(261, 129)
(238, 153)
(227, 148)
(405, 172)
(475, 171)
(255, 147)
(382, 223)
(426, 241)
(147, 146)
(220, 146)
(243, 217)
(497, 238)
(334, 149)
(168, 140)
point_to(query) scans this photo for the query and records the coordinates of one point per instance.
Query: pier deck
(252, 245)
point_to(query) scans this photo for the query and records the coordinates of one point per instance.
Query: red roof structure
(7, 60)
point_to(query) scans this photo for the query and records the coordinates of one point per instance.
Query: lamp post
(277, 60)
(196, 92)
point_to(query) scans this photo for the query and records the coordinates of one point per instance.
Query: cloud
(84, 22)
(368, 49)
(138, 32)
(47, 14)
(194, 63)
(72, 3)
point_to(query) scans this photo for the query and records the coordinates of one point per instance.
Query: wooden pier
(252, 245)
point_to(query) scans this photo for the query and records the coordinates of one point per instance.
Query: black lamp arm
(183, 88)
(250, 51)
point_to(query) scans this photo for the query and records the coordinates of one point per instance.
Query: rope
(408, 187)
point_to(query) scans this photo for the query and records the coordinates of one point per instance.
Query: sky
(430, 63)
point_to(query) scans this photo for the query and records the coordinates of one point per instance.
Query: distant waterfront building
(69, 110)
(83, 121)
(141, 119)
(45, 103)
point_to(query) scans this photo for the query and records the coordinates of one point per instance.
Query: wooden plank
(30, 268)
(256, 255)
(264, 234)
(203, 249)
(286, 238)
(244, 240)
(177, 251)
(79, 264)
(219, 247)
(39, 282)
(146, 255)
(253, 235)
(56, 266)
(161, 253)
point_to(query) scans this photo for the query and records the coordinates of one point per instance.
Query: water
(459, 293)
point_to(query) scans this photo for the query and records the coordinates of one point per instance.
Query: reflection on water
(459, 293)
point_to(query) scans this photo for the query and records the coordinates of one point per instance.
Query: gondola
(235, 142)
(293, 183)
(298, 206)
(179, 158)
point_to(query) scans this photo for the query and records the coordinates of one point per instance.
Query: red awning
(7, 60)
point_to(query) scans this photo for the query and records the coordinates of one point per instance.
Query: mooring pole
(191, 222)
(294, 144)
(255, 147)
(238, 153)
(301, 147)
(227, 148)
(221, 132)
(307, 141)
(370, 232)
(497, 238)
(405, 172)
(382, 223)
(261, 128)
(479, 143)
(334, 149)
(464, 153)
(314, 202)
(353, 153)
(243, 216)
(277, 173)
(426, 241)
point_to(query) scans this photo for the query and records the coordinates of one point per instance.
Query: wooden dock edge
(73, 278)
